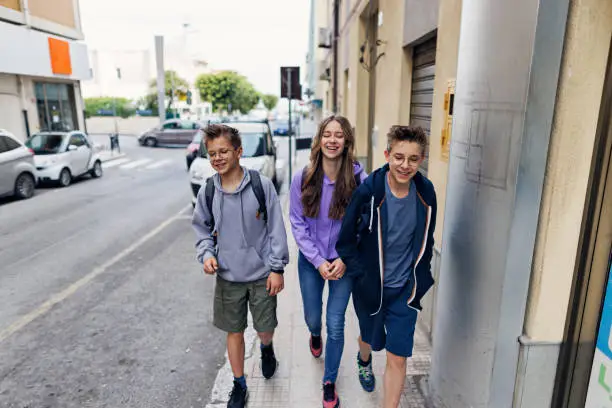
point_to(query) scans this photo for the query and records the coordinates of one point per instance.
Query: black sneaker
(330, 396)
(268, 362)
(238, 397)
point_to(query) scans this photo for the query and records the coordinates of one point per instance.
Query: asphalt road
(102, 303)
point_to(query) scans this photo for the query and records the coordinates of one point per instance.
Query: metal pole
(335, 55)
(290, 136)
(161, 78)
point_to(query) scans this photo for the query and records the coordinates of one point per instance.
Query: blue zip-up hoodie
(363, 233)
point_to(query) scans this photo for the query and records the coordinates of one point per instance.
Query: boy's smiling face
(222, 155)
(404, 160)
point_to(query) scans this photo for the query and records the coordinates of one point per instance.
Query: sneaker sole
(315, 354)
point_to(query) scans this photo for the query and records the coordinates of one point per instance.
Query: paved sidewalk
(107, 155)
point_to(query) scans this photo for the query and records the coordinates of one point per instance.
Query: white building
(42, 63)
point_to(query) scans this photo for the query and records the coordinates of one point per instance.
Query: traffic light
(189, 98)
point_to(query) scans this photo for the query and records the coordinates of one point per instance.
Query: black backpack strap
(209, 194)
(259, 194)
(357, 179)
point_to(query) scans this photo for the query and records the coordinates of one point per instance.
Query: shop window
(56, 107)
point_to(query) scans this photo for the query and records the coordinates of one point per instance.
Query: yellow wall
(12, 4)
(58, 11)
(389, 74)
(570, 153)
(449, 25)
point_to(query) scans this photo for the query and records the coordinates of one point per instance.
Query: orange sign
(59, 51)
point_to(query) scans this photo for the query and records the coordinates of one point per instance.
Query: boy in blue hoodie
(386, 242)
(246, 249)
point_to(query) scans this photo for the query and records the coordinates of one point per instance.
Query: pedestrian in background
(245, 245)
(387, 243)
(318, 199)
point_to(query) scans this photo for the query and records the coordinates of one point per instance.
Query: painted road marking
(158, 164)
(72, 289)
(114, 163)
(135, 163)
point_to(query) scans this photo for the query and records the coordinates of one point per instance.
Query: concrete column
(508, 68)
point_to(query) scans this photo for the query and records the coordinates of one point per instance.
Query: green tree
(270, 101)
(181, 86)
(227, 90)
(99, 106)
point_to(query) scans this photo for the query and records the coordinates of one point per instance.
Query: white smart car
(259, 153)
(62, 156)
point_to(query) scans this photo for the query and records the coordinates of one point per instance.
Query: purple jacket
(316, 237)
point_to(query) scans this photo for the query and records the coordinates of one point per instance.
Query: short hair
(399, 133)
(214, 131)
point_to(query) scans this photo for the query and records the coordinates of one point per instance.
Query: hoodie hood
(246, 179)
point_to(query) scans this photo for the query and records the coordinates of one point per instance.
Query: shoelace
(365, 372)
(237, 390)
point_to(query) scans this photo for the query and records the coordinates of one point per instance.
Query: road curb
(111, 158)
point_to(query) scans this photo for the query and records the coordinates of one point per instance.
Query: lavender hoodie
(316, 237)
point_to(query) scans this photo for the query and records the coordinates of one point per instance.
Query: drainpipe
(372, 34)
(335, 56)
(25, 8)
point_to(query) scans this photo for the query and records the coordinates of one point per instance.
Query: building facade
(516, 98)
(42, 63)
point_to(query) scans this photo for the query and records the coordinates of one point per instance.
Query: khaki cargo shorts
(232, 301)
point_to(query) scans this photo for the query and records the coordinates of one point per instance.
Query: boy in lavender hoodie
(247, 252)
(319, 197)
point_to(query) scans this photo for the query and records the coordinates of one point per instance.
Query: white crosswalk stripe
(135, 164)
(158, 164)
(114, 163)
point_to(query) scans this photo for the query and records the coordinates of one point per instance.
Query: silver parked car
(171, 132)
(17, 170)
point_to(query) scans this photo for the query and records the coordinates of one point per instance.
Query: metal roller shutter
(421, 102)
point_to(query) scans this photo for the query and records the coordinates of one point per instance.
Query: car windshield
(252, 145)
(197, 138)
(45, 143)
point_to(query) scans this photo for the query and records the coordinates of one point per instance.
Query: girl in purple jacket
(318, 199)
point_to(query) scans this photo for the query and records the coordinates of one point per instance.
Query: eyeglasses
(413, 161)
(222, 154)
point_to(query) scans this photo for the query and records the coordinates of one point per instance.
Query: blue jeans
(311, 285)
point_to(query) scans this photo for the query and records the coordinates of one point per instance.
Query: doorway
(581, 353)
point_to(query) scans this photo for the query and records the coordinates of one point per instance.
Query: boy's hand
(324, 270)
(275, 284)
(337, 269)
(211, 266)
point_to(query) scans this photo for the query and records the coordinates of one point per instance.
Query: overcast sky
(252, 37)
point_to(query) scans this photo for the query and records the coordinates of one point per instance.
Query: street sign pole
(290, 144)
(161, 80)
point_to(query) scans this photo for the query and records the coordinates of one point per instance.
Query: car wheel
(65, 178)
(96, 172)
(24, 186)
(150, 142)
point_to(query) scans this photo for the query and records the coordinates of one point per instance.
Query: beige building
(519, 117)
(42, 61)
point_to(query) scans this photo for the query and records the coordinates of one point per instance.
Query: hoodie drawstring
(371, 213)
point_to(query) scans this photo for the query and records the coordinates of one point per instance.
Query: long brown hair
(312, 184)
